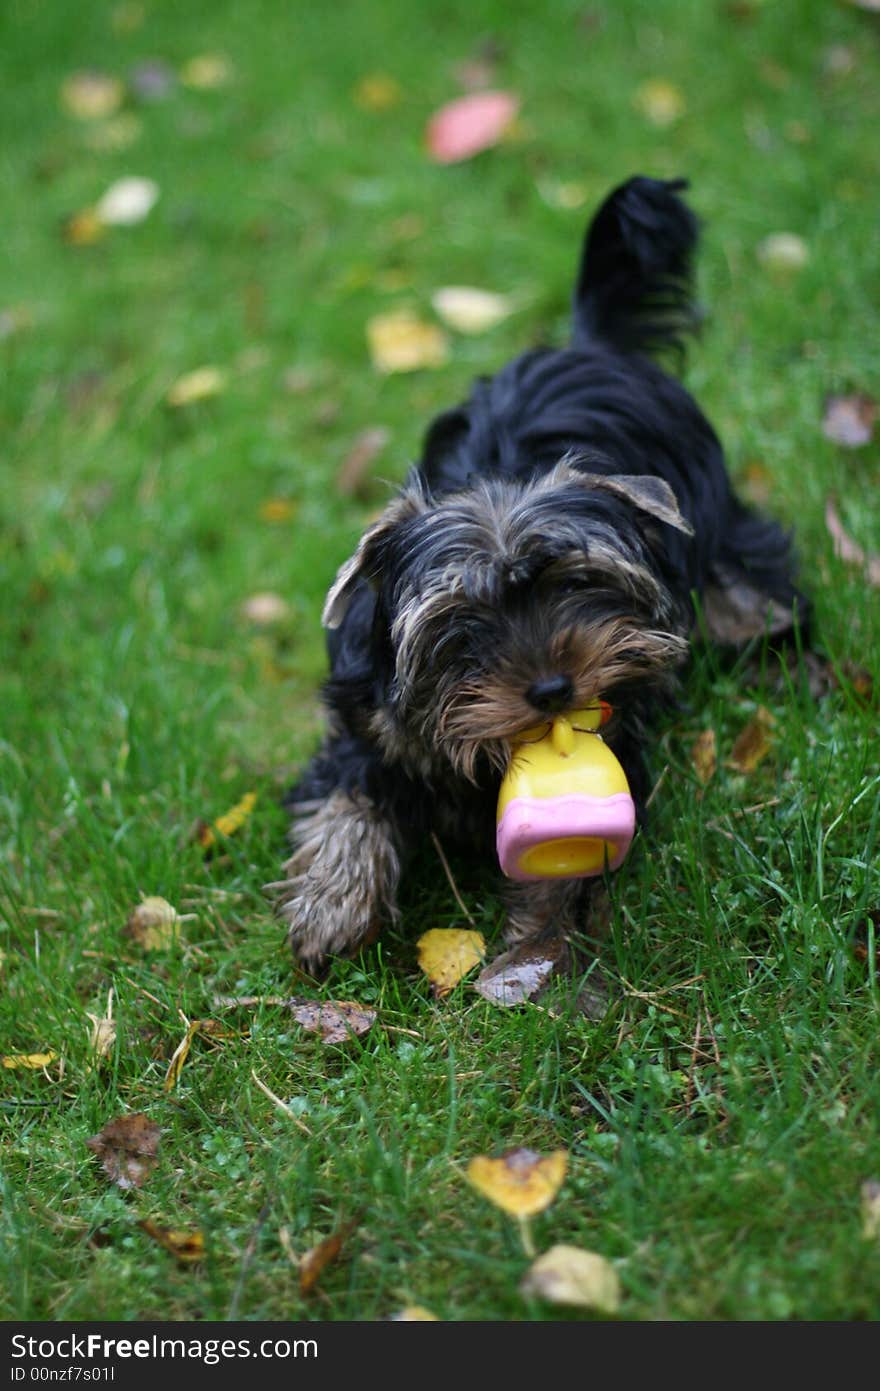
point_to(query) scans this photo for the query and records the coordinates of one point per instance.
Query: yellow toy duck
(565, 809)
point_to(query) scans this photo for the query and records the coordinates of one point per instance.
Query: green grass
(723, 1182)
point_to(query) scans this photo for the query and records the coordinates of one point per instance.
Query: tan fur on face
(487, 715)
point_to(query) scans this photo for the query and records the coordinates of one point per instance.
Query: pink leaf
(473, 123)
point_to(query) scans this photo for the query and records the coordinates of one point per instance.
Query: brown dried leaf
(185, 1246)
(335, 1020)
(568, 1275)
(860, 681)
(83, 228)
(127, 1148)
(520, 1182)
(734, 612)
(850, 420)
(753, 743)
(315, 1261)
(446, 954)
(704, 755)
(277, 509)
(377, 91)
(352, 477)
(102, 1035)
(521, 973)
(848, 550)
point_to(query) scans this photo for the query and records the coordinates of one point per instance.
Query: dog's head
(509, 602)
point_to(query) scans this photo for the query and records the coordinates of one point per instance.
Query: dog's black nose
(550, 693)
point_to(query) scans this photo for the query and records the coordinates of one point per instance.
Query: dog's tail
(634, 284)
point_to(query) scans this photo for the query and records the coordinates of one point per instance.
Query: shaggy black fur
(559, 527)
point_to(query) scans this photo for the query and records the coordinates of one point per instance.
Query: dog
(566, 532)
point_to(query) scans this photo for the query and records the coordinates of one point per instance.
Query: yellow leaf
(277, 509)
(753, 743)
(704, 756)
(783, 252)
(660, 101)
(568, 1275)
(91, 95)
(871, 1210)
(446, 954)
(186, 1246)
(401, 342)
(230, 822)
(28, 1060)
(179, 1057)
(377, 92)
(206, 71)
(469, 310)
(520, 1182)
(415, 1313)
(198, 385)
(153, 924)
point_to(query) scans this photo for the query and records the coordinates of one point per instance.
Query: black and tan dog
(552, 546)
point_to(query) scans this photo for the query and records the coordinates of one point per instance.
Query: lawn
(721, 1116)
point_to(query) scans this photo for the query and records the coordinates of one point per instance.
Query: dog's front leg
(546, 911)
(341, 880)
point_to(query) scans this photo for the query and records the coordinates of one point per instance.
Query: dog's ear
(366, 563)
(648, 494)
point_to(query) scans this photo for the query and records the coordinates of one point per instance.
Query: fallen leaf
(415, 1313)
(13, 319)
(757, 481)
(32, 1061)
(377, 92)
(446, 954)
(352, 475)
(198, 385)
(277, 509)
(568, 1275)
(401, 342)
(848, 550)
(783, 252)
(154, 923)
(127, 1148)
(227, 824)
(83, 228)
(753, 743)
(102, 1035)
(265, 609)
(704, 755)
(206, 72)
(315, 1261)
(850, 420)
(206, 1028)
(465, 127)
(661, 102)
(859, 681)
(520, 1182)
(127, 202)
(469, 310)
(118, 133)
(733, 612)
(870, 1194)
(91, 95)
(185, 1246)
(521, 973)
(566, 193)
(335, 1020)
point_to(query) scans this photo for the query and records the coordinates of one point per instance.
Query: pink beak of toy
(565, 809)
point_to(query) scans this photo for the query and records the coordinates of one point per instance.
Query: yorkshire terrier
(567, 530)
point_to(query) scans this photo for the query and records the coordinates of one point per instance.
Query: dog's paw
(323, 920)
